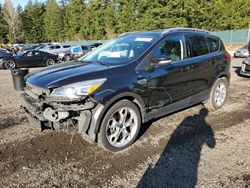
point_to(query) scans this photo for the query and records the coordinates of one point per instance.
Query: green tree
(3, 28)
(33, 22)
(53, 22)
(127, 15)
(73, 18)
(12, 17)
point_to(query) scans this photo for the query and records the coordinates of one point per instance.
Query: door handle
(186, 68)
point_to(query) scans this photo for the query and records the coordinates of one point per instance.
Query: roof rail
(183, 29)
(126, 33)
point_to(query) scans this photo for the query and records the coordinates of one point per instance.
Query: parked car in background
(34, 47)
(242, 52)
(95, 45)
(245, 67)
(108, 94)
(74, 52)
(28, 59)
(55, 48)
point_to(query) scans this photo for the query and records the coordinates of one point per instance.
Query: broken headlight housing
(77, 90)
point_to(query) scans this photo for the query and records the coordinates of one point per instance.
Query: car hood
(66, 73)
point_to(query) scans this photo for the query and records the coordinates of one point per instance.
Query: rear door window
(84, 47)
(57, 47)
(213, 44)
(66, 46)
(198, 45)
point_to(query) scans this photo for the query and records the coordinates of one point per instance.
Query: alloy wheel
(121, 127)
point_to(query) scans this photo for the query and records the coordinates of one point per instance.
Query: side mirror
(162, 60)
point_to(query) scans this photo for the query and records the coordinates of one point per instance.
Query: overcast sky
(21, 2)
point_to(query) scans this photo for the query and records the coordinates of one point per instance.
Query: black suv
(107, 95)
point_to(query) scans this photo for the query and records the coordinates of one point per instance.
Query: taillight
(227, 55)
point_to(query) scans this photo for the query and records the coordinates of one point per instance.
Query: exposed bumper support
(60, 116)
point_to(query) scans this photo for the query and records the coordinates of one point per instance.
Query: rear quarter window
(198, 45)
(213, 44)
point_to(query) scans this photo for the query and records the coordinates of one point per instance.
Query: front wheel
(120, 126)
(218, 94)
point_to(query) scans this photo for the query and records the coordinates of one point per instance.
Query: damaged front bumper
(80, 116)
(245, 68)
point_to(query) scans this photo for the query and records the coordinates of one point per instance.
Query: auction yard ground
(179, 150)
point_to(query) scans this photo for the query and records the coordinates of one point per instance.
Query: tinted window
(174, 47)
(198, 45)
(29, 54)
(36, 53)
(213, 44)
(84, 47)
(51, 47)
(57, 47)
(66, 46)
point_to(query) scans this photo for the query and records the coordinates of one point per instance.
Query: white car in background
(74, 52)
(55, 48)
(242, 52)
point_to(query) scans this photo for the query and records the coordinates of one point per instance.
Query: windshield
(121, 50)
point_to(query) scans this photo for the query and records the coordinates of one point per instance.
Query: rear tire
(10, 65)
(50, 62)
(120, 126)
(66, 58)
(218, 94)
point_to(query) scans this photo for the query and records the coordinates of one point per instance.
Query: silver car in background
(74, 52)
(55, 48)
(242, 52)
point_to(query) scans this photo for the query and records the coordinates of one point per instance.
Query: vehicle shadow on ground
(237, 70)
(178, 164)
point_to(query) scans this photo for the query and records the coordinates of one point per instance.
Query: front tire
(10, 65)
(218, 94)
(120, 126)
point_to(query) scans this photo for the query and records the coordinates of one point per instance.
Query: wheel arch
(133, 97)
(222, 75)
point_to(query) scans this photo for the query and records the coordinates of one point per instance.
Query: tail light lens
(227, 55)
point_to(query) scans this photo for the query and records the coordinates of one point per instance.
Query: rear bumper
(245, 68)
(245, 73)
(71, 117)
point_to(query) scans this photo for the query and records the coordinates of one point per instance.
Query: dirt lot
(189, 148)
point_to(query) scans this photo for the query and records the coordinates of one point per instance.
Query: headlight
(78, 90)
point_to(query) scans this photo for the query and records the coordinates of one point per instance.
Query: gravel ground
(189, 148)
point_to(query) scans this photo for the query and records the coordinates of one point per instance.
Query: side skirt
(197, 98)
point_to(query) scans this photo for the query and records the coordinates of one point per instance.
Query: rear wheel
(10, 65)
(120, 126)
(50, 62)
(218, 94)
(66, 58)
